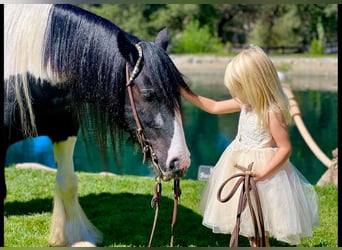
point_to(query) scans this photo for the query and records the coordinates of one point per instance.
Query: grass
(119, 207)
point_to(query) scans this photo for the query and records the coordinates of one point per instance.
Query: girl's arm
(211, 106)
(280, 136)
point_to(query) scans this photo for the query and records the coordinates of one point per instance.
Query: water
(208, 135)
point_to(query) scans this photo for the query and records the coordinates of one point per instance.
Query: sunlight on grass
(27, 230)
(119, 206)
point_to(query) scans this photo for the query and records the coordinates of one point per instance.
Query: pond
(207, 135)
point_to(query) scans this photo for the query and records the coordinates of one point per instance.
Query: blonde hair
(252, 78)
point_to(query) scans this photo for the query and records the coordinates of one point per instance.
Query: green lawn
(119, 206)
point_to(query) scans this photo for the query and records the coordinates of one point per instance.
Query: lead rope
(248, 185)
(155, 202)
(176, 195)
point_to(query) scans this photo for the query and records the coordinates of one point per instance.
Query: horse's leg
(69, 223)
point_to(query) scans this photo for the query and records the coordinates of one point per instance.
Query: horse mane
(80, 51)
(18, 41)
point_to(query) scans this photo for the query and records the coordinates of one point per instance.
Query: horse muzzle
(176, 168)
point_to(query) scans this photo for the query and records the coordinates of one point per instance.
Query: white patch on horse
(178, 147)
(21, 22)
(158, 120)
(69, 222)
(24, 29)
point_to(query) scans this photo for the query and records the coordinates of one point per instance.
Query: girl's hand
(258, 176)
(255, 175)
(281, 138)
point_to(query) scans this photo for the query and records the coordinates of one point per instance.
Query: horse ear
(126, 48)
(162, 39)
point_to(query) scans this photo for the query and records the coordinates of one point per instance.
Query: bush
(316, 47)
(196, 39)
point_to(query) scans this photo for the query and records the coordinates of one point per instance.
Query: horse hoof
(83, 244)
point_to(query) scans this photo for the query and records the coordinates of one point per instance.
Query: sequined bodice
(250, 135)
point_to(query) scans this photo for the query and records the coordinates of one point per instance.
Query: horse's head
(157, 102)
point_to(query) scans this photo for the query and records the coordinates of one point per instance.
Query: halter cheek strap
(145, 144)
(147, 148)
(131, 77)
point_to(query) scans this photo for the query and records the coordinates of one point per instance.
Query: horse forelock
(165, 76)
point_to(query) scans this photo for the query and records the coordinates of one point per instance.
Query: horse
(66, 68)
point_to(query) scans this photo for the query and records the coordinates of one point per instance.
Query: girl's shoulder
(276, 115)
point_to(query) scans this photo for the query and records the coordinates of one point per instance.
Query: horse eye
(148, 94)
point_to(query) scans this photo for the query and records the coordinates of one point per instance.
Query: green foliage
(120, 207)
(276, 26)
(233, 24)
(316, 47)
(197, 39)
(175, 17)
(133, 18)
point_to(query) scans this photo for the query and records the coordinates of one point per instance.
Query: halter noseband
(145, 144)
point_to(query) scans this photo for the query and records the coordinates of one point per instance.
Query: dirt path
(323, 68)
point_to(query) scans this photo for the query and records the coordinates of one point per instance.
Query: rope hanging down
(176, 194)
(155, 202)
(248, 186)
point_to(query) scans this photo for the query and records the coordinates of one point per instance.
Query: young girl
(289, 203)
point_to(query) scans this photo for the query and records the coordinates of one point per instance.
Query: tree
(273, 26)
(235, 21)
(133, 18)
(320, 24)
(196, 39)
(266, 25)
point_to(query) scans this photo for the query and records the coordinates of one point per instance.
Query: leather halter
(145, 144)
(146, 147)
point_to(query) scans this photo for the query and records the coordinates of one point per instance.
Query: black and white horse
(65, 68)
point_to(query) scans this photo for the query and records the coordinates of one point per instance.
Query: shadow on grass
(35, 206)
(126, 219)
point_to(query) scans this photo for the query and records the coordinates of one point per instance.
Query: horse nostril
(174, 164)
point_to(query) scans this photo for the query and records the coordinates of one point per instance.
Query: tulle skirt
(289, 202)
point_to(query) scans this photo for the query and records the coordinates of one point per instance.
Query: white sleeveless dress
(289, 202)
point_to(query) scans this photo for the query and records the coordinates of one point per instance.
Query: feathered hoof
(83, 244)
